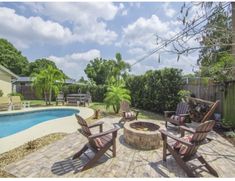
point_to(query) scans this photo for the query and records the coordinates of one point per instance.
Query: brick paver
(54, 160)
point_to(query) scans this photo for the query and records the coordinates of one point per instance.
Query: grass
(106, 112)
(37, 103)
(21, 151)
(103, 111)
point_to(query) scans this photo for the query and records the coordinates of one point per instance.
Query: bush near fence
(97, 91)
(157, 90)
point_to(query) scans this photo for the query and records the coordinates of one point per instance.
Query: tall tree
(101, 71)
(216, 40)
(12, 59)
(40, 64)
(48, 81)
(118, 70)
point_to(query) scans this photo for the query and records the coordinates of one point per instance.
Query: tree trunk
(114, 108)
(45, 96)
(50, 92)
(233, 37)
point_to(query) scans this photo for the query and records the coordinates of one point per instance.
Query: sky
(72, 34)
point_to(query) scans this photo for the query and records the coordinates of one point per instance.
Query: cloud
(139, 36)
(168, 11)
(135, 4)
(74, 64)
(25, 31)
(122, 9)
(186, 63)
(88, 19)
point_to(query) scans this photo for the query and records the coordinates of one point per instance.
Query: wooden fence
(27, 91)
(229, 104)
(205, 89)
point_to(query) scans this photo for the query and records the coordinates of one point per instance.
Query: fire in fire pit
(142, 134)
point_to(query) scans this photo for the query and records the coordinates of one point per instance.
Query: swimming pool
(16, 122)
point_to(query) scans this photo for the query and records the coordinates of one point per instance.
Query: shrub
(17, 94)
(97, 91)
(156, 90)
(183, 94)
(1, 93)
(115, 95)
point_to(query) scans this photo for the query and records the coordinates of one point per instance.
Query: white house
(6, 78)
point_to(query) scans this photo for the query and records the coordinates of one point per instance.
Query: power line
(178, 35)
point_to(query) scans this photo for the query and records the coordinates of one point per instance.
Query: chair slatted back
(182, 108)
(86, 132)
(15, 99)
(125, 106)
(200, 135)
(84, 127)
(4, 100)
(60, 96)
(210, 112)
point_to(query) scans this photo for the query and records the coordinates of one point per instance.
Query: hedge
(157, 90)
(97, 91)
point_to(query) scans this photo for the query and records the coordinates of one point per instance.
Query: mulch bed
(21, 151)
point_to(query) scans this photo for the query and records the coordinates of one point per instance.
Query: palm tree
(116, 94)
(47, 81)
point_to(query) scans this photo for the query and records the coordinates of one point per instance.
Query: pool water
(13, 123)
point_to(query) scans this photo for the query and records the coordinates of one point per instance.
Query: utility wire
(178, 35)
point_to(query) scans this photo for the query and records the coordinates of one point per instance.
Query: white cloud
(139, 38)
(74, 64)
(141, 34)
(122, 9)
(185, 63)
(124, 12)
(168, 11)
(24, 31)
(88, 19)
(135, 4)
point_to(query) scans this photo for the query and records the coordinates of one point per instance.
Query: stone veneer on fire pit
(142, 134)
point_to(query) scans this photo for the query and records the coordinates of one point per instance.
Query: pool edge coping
(66, 124)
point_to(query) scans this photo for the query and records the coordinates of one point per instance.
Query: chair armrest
(167, 113)
(100, 124)
(113, 131)
(165, 133)
(183, 115)
(135, 110)
(96, 124)
(184, 128)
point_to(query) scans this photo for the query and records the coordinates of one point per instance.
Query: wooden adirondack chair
(177, 117)
(210, 112)
(16, 102)
(4, 103)
(185, 147)
(98, 143)
(60, 98)
(207, 116)
(127, 113)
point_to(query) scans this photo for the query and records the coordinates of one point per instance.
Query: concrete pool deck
(55, 160)
(66, 125)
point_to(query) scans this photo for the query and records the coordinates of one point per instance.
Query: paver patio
(54, 160)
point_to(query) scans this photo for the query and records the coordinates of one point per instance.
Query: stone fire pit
(142, 134)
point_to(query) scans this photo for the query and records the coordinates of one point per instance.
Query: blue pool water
(13, 123)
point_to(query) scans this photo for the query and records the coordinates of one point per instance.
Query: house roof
(24, 79)
(4, 69)
(29, 79)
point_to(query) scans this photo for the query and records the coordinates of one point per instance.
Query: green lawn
(37, 103)
(143, 114)
(103, 111)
